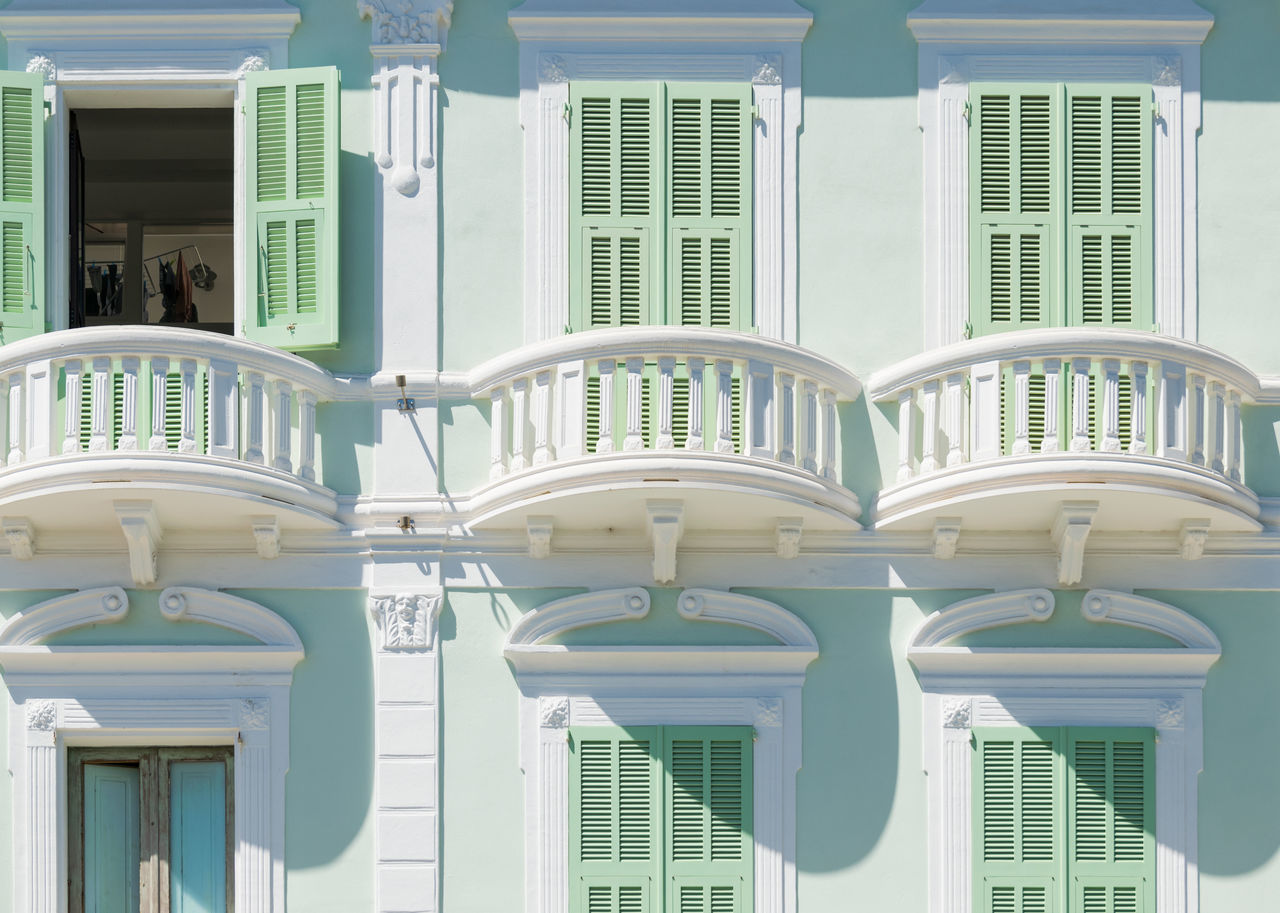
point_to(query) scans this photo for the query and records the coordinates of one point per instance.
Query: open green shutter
(292, 214)
(197, 837)
(1017, 818)
(708, 801)
(708, 149)
(111, 838)
(21, 205)
(1111, 813)
(1109, 205)
(1013, 197)
(614, 184)
(614, 829)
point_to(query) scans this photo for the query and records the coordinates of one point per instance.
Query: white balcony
(729, 430)
(96, 423)
(1114, 429)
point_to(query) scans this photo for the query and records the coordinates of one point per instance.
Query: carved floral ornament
(42, 715)
(407, 21)
(43, 64)
(407, 620)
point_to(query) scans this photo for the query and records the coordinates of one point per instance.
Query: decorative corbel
(266, 536)
(142, 532)
(21, 537)
(539, 529)
(666, 524)
(946, 535)
(787, 537)
(406, 42)
(1070, 531)
(408, 621)
(1191, 539)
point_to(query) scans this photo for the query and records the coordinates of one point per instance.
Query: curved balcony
(729, 431)
(96, 423)
(1041, 429)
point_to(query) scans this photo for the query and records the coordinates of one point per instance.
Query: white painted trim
(631, 686)
(135, 695)
(63, 613)
(187, 603)
(747, 611)
(955, 51)
(596, 607)
(1160, 688)
(979, 613)
(562, 41)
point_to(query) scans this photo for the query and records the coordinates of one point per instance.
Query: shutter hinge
(968, 329)
(755, 112)
(968, 112)
(1155, 109)
(755, 734)
(567, 113)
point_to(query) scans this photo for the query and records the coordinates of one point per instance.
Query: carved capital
(951, 71)
(768, 71)
(553, 712)
(42, 716)
(255, 714)
(407, 21)
(957, 713)
(407, 620)
(1166, 71)
(551, 68)
(1170, 713)
(44, 65)
(21, 538)
(769, 711)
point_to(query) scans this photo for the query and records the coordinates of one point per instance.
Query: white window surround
(132, 53)
(1002, 686)
(642, 686)
(147, 695)
(695, 40)
(962, 41)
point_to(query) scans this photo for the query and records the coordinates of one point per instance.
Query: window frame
(957, 48)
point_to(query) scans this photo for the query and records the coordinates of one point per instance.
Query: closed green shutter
(1109, 205)
(197, 837)
(1111, 810)
(112, 854)
(708, 146)
(614, 832)
(21, 206)
(1017, 816)
(614, 204)
(292, 217)
(1014, 197)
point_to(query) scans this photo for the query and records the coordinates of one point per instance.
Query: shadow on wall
(859, 467)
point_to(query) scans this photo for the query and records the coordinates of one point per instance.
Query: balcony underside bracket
(1070, 532)
(666, 524)
(142, 532)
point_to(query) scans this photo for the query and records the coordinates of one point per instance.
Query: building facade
(638, 457)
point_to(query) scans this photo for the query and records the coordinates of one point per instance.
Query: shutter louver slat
(306, 266)
(721, 283)
(277, 268)
(995, 153)
(635, 802)
(1126, 154)
(1030, 278)
(1090, 825)
(22, 206)
(726, 158)
(593, 413)
(636, 144)
(691, 272)
(17, 151)
(13, 268)
(272, 149)
(1091, 280)
(1037, 788)
(735, 400)
(687, 800)
(686, 157)
(1035, 154)
(1000, 290)
(1121, 279)
(309, 141)
(597, 830)
(1086, 154)
(172, 409)
(679, 410)
(1128, 787)
(597, 152)
(726, 800)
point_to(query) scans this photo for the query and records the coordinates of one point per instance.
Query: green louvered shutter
(111, 838)
(708, 800)
(708, 147)
(21, 205)
(615, 836)
(1111, 814)
(614, 182)
(1018, 810)
(292, 142)
(1109, 206)
(1014, 199)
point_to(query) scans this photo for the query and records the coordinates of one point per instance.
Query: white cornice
(981, 612)
(705, 663)
(1070, 22)
(80, 20)
(693, 20)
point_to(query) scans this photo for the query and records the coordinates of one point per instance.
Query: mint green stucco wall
(329, 788)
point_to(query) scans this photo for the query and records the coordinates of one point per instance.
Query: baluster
(1171, 413)
(953, 418)
(1195, 403)
(634, 439)
(542, 419)
(1138, 408)
(255, 418)
(74, 372)
(187, 441)
(282, 425)
(1052, 405)
(724, 407)
(222, 421)
(809, 428)
(519, 421)
(1217, 429)
(1080, 405)
(1110, 442)
(929, 427)
(15, 418)
(569, 403)
(666, 403)
(696, 439)
(906, 434)
(100, 406)
(39, 418)
(786, 419)
(1021, 407)
(759, 406)
(159, 403)
(306, 435)
(829, 435)
(4, 418)
(498, 437)
(606, 368)
(129, 368)
(1235, 441)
